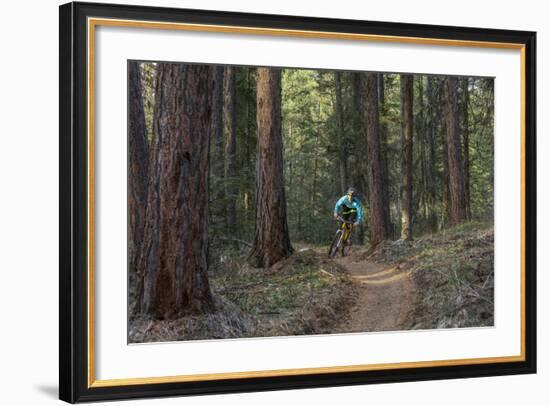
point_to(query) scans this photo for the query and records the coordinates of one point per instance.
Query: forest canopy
(325, 148)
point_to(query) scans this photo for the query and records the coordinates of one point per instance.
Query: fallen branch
(323, 272)
(464, 284)
(246, 243)
(487, 280)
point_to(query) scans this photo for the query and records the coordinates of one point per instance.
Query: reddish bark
(138, 161)
(384, 156)
(466, 147)
(407, 162)
(271, 239)
(174, 261)
(217, 182)
(378, 221)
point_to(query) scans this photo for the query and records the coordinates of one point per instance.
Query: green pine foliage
(313, 149)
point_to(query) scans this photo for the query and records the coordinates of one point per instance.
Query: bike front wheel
(333, 249)
(346, 248)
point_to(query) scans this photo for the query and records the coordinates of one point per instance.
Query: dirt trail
(386, 296)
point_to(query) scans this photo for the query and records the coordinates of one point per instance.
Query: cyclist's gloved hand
(356, 224)
(336, 216)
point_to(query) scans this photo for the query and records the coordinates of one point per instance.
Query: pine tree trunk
(466, 146)
(454, 153)
(138, 161)
(230, 121)
(430, 133)
(217, 157)
(360, 150)
(407, 150)
(384, 157)
(340, 131)
(421, 196)
(217, 181)
(174, 263)
(271, 239)
(376, 199)
(316, 158)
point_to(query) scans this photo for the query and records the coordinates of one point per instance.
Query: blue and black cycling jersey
(348, 210)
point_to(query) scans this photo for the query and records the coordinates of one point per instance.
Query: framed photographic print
(255, 202)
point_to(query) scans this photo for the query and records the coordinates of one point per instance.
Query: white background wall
(29, 203)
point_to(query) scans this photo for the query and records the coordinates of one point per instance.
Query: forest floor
(386, 295)
(438, 280)
(452, 274)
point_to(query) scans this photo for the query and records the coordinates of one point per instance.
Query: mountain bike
(341, 238)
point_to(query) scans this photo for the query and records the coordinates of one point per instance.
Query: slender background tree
(406, 82)
(378, 223)
(454, 153)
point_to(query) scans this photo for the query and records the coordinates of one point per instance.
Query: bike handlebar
(344, 221)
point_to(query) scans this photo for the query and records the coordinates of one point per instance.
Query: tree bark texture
(174, 261)
(454, 153)
(384, 156)
(406, 83)
(430, 134)
(360, 150)
(217, 168)
(230, 121)
(271, 238)
(466, 146)
(138, 161)
(342, 150)
(378, 226)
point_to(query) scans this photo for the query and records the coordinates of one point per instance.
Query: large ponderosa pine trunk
(378, 226)
(271, 239)
(174, 261)
(407, 156)
(454, 154)
(138, 161)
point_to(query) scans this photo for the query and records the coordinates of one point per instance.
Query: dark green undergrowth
(454, 273)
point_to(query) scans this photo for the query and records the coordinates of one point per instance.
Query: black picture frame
(74, 385)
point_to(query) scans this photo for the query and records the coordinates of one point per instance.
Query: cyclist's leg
(345, 216)
(346, 231)
(352, 217)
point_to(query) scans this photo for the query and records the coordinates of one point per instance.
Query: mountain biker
(349, 207)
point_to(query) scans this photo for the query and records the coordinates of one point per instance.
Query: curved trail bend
(386, 296)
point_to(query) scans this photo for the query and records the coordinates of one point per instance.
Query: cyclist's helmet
(351, 191)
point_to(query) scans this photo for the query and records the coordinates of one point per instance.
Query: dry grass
(227, 321)
(453, 272)
(308, 293)
(303, 294)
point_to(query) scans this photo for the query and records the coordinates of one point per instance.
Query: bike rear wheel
(336, 241)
